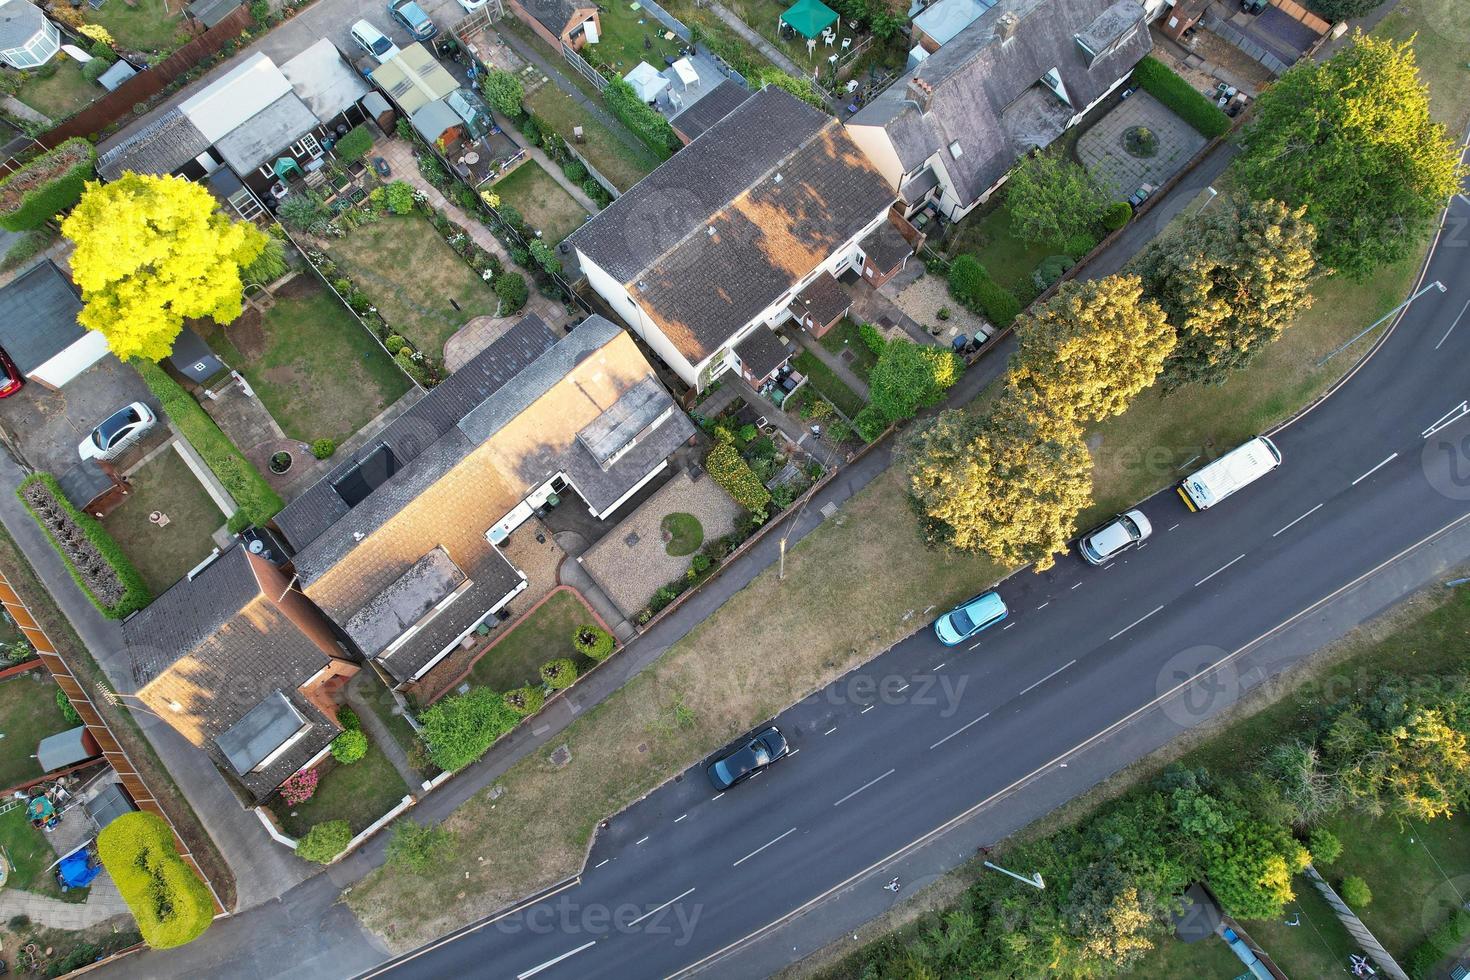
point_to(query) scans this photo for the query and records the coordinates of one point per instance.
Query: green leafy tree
(1003, 484)
(459, 728)
(1090, 349)
(503, 91)
(910, 376)
(349, 747)
(1355, 892)
(1229, 281)
(1352, 140)
(324, 841)
(592, 641)
(1110, 916)
(1250, 868)
(512, 290)
(545, 256)
(1411, 764)
(1325, 847)
(1052, 199)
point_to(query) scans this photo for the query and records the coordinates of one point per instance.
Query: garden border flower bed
(132, 594)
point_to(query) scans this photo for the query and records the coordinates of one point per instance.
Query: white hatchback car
(374, 42)
(1116, 536)
(118, 432)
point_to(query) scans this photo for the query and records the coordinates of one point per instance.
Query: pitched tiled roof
(761, 352)
(715, 105)
(978, 76)
(38, 316)
(410, 435)
(824, 300)
(554, 15)
(886, 247)
(210, 649)
(718, 233)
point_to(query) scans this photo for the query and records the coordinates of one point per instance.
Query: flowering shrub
(300, 787)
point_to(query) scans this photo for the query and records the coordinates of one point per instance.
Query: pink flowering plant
(300, 787)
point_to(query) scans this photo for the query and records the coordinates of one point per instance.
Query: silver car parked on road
(1102, 544)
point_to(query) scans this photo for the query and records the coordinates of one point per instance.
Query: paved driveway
(45, 426)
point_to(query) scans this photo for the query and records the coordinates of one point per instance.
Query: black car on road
(748, 758)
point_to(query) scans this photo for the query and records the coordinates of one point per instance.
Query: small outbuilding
(39, 328)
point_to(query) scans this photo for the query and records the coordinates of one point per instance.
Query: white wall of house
(878, 148)
(635, 319)
(66, 364)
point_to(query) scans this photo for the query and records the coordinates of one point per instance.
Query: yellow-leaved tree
(151, 251)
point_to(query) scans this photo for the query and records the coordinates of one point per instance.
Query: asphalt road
(1158, 640)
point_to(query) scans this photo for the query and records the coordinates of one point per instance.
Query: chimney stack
(1006, 24)
(921, 92)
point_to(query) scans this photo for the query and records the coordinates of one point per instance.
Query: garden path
(832, 361)
(550, 166)
(103, 902)
(379, 733)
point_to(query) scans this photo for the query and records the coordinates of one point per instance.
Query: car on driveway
(10, 379)
(1102, 544)
(118, 432)
(374, 42)
(969, 618)
(748, 758)
(411, 18)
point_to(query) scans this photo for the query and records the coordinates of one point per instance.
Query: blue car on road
(969, 618)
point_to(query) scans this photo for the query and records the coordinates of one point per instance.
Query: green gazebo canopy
(809, 18)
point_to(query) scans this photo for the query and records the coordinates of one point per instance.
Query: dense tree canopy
(1229, 281)
(1007, 484)
(1091, 348)
(1052, 199)
(1352, 140)
(151, 251)
(910, 376)
(503, 91)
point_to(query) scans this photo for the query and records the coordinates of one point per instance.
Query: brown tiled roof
(718, 233)
(824, 300)
(216, 646)
(761, 352)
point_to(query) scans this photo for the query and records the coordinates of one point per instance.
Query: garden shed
(39, 329)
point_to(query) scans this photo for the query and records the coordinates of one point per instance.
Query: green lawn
(359, 793)
(986, 234)
(844, 337)
(318, 371)
(58, 89)
(28, 713)
(410, 274)
(622, 44)
(618, 156)
(1208, 959)
(832, 388)
(164, 554)
(30, 856)
(545, 205)
(544, 635)
(149, 26)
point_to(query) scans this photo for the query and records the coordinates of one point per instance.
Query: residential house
(947, 133)
(559, 22)
(39, 329)
(715, 244)
(940, 22)
(27, 38)
(453, 119)
(399, 544)
(239, 662)
(270, 125)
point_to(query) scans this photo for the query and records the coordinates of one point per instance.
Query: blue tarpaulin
(77, 870)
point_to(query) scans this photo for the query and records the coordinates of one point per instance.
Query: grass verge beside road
(870, 563)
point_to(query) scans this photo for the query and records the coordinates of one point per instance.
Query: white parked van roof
(1232, 471)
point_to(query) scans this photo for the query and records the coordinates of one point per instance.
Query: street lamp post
(1035, 881)
(1369, 329)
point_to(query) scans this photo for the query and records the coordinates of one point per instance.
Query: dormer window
(1053, 81)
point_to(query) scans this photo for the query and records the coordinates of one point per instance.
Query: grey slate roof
(977, 77)
(264, 135)
(712, 237)
(886, 247)
(211, 12)
(188, 614)
(310, 515)
(918, 185)
(824, 300)
(20, 20)
(38, 316)
(159, 148)
(761, 352)
(713, 106)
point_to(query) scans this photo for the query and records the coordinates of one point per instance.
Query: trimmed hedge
(255, 498)
(324, 841)
(355, 145)
(592, 642)
(171, 904)
(349, 747)
(135, 594)
(646, 124)
(459, 729)
(559, 673)
(971, 285)
(1440, 943)
(734, 474)
(51, 183)
(1160, 81)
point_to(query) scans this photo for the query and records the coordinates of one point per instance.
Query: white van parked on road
(1242, 465)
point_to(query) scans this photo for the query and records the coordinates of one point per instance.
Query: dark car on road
(748, 758)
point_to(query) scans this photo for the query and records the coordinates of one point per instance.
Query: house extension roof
(886, 247)
(719, 232)
(38, 316)
(414, 79)
(265, 134)
(211, 12)
(227, 103)
(985, 98)
(824, 300)
(19, 22)
(715, 105)
(324, 81)
(211, 649)
(943, 20)
(161, 147)
(554, 15)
